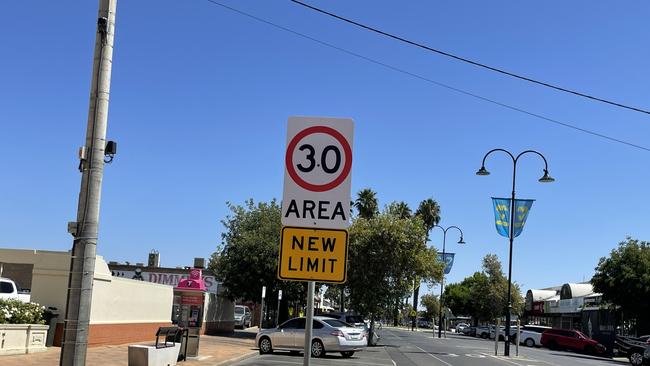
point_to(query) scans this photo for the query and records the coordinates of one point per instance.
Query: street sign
(317, 174)
(308, 254)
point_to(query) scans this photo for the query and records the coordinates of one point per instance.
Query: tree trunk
(416, 293)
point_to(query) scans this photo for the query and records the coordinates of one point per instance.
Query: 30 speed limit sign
(317, 179)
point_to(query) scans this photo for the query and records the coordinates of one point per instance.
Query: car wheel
(590, 350)
(636, 358)
(347, 354)
(529, 342)
(551, 345)
(484, 335)
(265, 345)
(317, 349)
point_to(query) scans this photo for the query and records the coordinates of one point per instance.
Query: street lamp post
(442, 284)
(544, 179)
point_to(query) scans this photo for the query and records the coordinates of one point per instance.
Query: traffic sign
(317, 174)
(308, 254)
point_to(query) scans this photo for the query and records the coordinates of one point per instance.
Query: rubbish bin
(50, 316)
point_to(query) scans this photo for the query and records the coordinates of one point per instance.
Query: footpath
(213, 351)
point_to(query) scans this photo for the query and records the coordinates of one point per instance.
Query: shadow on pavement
(587, 357)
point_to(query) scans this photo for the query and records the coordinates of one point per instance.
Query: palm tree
(400, 209)
(429, 212)
(366, 203)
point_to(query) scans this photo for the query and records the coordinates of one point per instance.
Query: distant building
(572, 306)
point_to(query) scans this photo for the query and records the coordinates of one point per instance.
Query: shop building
(123, 309)
(572, 306)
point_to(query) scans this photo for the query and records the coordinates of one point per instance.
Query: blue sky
(201, 95)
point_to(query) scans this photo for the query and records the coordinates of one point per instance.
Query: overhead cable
(471, 62)
(431, 81)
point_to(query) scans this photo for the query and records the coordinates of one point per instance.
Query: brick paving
(213, 351)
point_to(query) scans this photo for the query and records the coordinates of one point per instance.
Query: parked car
(461, 326)
(482, 331)
(242, 316)
(355, 320)
(469, 331)
(9, 290)
(424, 324)
(570, 339)
(531, 335)
(635, 349)
(328, 335)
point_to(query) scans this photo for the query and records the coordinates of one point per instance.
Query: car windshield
(580, 334)
(239, 311)
(337, 323)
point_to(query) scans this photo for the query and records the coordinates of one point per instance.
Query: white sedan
(328, 335)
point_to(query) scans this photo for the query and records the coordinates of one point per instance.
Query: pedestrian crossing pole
(85, 228)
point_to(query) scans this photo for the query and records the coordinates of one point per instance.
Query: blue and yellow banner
(449, 261)
(502, 215)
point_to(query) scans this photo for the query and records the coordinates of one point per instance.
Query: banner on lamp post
(448, 261)
(502, 215)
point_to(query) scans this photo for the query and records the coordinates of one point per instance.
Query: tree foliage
(366, 203)
(484, 294)
(247, 258)
(432, 306)
(624, 279)
(384, 252)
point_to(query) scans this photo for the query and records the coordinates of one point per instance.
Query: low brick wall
(105, 334)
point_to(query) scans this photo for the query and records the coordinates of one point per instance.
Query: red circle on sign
(319, 187)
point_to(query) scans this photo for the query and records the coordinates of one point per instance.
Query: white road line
(519, 364)
(446, 363)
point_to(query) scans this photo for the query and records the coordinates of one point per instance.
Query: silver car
(242, 316)
(328, 335)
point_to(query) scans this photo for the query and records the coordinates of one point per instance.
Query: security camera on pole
(316, 207)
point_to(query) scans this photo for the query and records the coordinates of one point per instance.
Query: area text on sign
(313, 254)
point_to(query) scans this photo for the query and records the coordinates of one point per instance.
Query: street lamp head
(482, 171)
(546, 178)
(461, 241)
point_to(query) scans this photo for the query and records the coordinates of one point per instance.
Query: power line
(471, 62)
(431, 81)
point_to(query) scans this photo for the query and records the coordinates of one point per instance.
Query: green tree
(384, 252)
(429, 213)
(624, 280)
(483, 295)
(247, 258)
(432, 306)
(400, 209)
(366, 203)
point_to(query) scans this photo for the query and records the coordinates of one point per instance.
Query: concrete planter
(22, 338)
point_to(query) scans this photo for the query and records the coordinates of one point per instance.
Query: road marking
(444, 362)
(502, 358)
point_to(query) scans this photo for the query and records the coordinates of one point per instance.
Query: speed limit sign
(317, 175)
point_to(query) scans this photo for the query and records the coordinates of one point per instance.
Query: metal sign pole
(497, 330)
(262, 306)
(277, 310)
(309, 322)
(518, 334)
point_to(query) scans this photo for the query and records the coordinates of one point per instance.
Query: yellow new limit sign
(313, 254)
